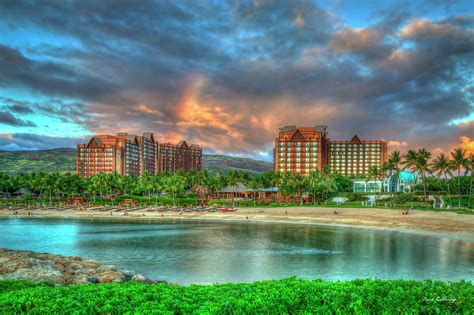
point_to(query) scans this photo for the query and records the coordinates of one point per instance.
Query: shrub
(269, 297)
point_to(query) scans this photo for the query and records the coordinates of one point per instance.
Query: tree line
(318, 185)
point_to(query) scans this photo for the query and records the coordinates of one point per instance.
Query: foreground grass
(277, 296)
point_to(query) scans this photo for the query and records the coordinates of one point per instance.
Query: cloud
(467, 144)
(397, 145)
(28, 141)
(7, 118)
(227, 75)
(299, 21)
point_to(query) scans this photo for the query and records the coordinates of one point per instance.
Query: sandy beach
(445, 224)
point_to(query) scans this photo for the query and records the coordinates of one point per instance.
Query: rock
(93, 280)
(108, 267)
(28, 265)
(128, 274)
(138, 278)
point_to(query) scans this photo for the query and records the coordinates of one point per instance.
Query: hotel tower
(126, 154)
(305, 149)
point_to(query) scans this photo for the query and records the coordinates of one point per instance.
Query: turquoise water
(208, 252)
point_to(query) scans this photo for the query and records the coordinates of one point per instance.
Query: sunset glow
(227, 75)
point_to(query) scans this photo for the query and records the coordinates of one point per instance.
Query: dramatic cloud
(227, 75)
(467, 144)
(7, 118)
(31, 141)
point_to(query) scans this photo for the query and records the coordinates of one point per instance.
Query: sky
(228, 75)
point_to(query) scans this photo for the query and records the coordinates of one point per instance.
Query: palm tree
(410, 162)
(201, 181)
(99, 183)
(233, 178)
(442, 167)
(254, 184)
(393, 165)
(298, 183)
(376, 174)
(174, 184)
(423, 166)
(459, 161)
(313, 181)
(328, 185)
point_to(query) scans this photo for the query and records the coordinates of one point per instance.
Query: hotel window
(298, 144)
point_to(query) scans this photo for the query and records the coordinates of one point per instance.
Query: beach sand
(444, 224)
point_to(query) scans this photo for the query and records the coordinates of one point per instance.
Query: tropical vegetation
(438, 176)
(285, 296)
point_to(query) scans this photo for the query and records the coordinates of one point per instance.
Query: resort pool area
(209, 252)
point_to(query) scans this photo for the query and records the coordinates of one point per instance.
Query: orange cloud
(147, 110)
(194, 113)
(467, 144)
(353, 40)
(423, 27)
(396, 145)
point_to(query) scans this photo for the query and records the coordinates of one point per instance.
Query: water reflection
(205, 252)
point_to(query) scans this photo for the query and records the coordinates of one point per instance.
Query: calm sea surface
(209, 252)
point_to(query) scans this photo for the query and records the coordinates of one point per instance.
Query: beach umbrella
(339, 200)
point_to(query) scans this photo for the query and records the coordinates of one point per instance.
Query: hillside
(64, 160)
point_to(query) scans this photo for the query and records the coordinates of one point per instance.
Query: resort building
(406, 182)
(148, 154)
(300, 150)
(241, 191)
(356, 157)
(126, 154)
(174, 157)
(304, 149)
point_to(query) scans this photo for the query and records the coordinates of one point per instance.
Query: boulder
(41, 267)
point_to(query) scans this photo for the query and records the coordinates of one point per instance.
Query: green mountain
(64, 160)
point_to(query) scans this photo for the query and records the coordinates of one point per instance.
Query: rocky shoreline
(62, 270)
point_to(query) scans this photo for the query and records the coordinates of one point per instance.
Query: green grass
(267, 297)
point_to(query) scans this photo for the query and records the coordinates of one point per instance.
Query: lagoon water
(208, 252)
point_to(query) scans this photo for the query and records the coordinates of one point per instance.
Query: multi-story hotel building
(174, 157)
(300, 150)
(126, 154)
(356, 157)
(305, 149)
(109, 154)
(148, 154)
